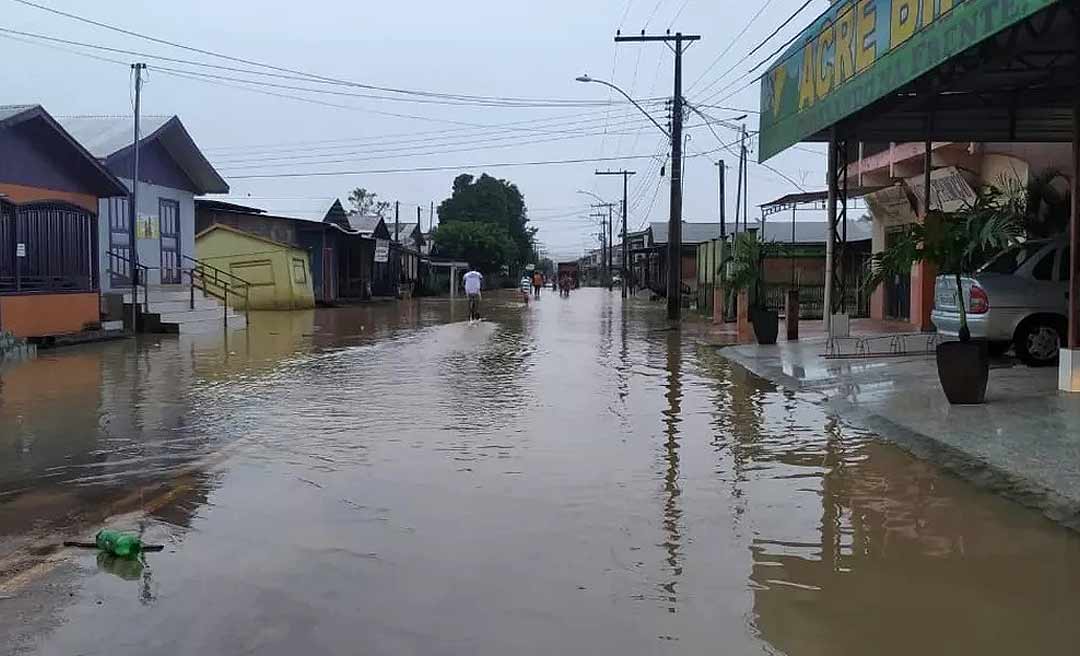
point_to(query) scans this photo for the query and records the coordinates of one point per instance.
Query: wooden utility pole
(625, 251)
(674, 268)
(603, 235)
(133, 209)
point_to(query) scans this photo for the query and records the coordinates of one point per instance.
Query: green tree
(493, 201)
(486, 246)
(366, 203)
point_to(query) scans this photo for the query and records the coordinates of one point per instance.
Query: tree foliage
(484, 245)
(488, 200)
(748, 264)
(956, 243)
(366, 203)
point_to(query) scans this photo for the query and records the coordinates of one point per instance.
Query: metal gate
(897, 288)
(169, 228)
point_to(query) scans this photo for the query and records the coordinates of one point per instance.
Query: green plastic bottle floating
(121, 545)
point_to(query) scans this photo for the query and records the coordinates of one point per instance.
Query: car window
(1044, 268)
(1012, 259)
(1063, 266)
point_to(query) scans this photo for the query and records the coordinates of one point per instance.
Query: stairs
(168, 310)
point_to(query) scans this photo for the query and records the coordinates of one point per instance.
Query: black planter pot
(963, 369)
(766, 325)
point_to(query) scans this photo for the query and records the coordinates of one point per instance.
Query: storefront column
(924, 274)
(1069, 364)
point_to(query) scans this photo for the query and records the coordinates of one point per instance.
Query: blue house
(172, 171)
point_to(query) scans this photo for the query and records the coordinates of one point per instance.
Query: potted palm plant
(747, 273)
(957, 244)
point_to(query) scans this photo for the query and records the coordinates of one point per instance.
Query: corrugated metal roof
(108, 136)
(364, 223)
(813, 232)
(105, 135)
(8, 111)
(692, 233)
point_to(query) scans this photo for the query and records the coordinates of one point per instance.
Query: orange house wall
(23, 194)
(42, 315)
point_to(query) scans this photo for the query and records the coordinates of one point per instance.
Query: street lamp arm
(586, 78)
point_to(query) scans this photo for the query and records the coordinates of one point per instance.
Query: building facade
(50, 188)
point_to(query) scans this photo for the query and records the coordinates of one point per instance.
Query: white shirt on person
(472, 282)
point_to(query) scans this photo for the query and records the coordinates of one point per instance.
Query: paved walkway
(1023, 443)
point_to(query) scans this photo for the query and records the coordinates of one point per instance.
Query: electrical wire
(730, 45)
(451, 167)
(281, 69)
(758, 47)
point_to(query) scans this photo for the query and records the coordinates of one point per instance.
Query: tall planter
(766, 325)
(964, 369)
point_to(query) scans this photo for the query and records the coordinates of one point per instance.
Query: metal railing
(219, 284)
(135, 274)
(210, 280)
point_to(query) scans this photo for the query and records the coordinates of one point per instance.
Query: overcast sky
(504, 48)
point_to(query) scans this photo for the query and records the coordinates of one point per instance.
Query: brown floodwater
(571, 477)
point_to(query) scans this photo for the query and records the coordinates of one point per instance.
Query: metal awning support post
(830, 232)
(1069, 363)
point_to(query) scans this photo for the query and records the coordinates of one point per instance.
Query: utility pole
(431, 217)
(610, 247)
(605, 253)
(625, 252)
(137, 69)
(720, 291)
(674, 268)
(603, 247)
(744, 166)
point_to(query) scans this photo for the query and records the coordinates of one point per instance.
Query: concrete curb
(1057, 507)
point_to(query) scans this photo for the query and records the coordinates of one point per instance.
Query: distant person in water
(538, 283)
(473, 281)
(526, 288)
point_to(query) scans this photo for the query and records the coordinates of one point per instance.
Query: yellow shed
(279, 274)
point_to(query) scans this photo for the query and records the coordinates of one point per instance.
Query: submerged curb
(1058, 507)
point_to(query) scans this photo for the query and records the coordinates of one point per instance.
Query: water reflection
(672, 511)
(570, 477)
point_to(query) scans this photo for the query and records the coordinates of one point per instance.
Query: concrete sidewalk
(1023, 443)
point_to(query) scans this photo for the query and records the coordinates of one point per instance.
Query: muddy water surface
(568, 478)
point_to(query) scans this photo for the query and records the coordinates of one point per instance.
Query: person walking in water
(473, 280)
(538, 283)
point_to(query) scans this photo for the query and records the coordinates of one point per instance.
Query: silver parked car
(1019, 298)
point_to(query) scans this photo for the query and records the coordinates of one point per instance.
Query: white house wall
(149, 249)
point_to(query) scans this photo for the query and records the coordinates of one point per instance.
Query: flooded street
(570, 477)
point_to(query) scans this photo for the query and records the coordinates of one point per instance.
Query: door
(169, 229)
(898, 287)
(119, 264)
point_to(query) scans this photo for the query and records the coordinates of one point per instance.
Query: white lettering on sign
(382, 250)
(20, 250)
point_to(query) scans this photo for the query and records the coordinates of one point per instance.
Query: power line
(294, 153)
(758, 47)
(455, 167)
(555, 103)
(282, 69)
(404, 151)
(731, 44)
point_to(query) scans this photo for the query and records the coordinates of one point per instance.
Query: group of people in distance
(530, 284)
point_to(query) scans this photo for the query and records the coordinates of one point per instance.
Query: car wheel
(1038, 342)
(998, 349)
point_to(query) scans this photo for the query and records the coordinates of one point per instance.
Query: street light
(586, 78)
(582, 191)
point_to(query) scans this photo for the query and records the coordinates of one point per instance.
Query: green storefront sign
(861, 50)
